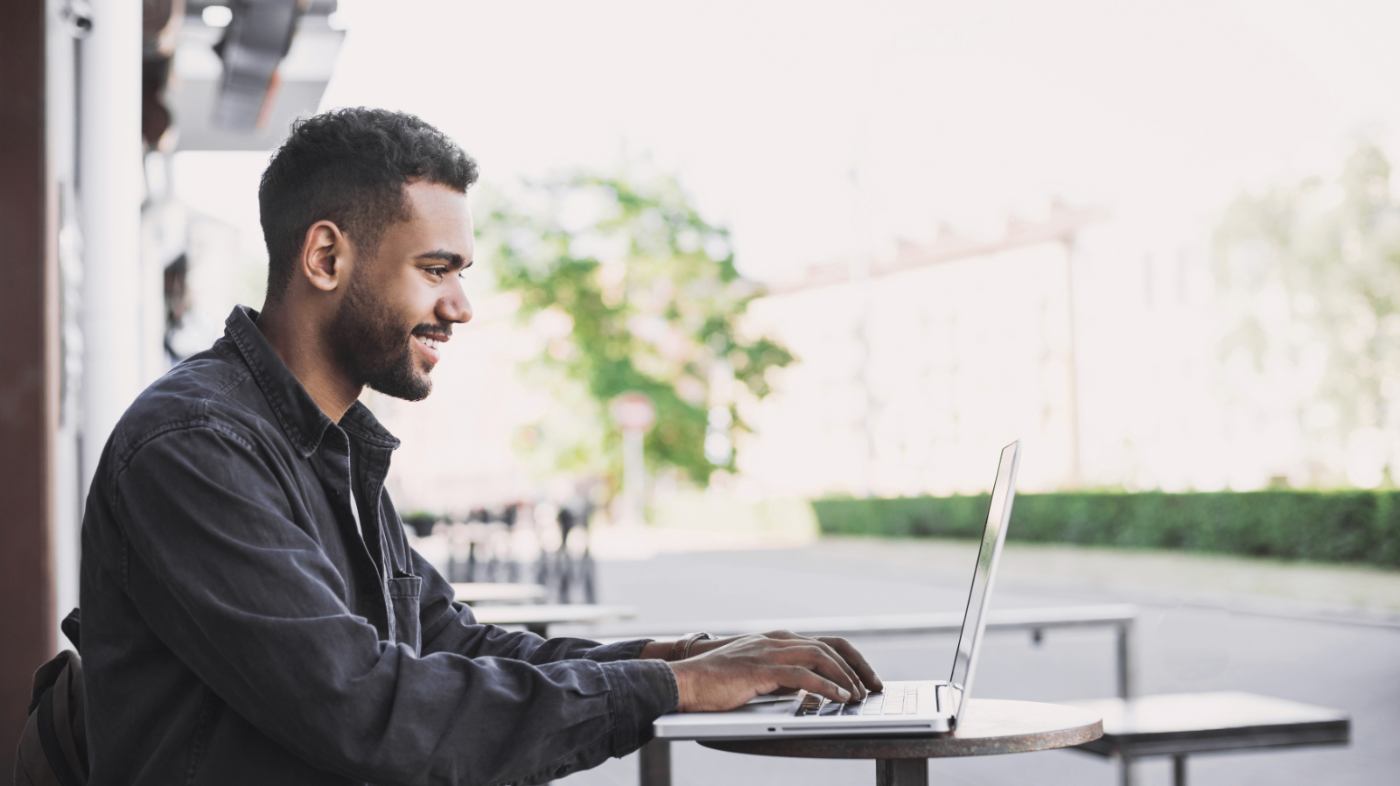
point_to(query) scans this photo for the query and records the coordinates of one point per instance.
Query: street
(1188, 639)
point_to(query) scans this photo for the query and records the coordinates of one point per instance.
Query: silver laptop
(926, 707)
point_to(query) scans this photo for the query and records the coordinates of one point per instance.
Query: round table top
(991, 726)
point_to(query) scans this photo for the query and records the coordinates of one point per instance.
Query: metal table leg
(901, 772)
(1179, 769)
(654, 762)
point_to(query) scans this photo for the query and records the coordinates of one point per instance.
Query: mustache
(433, 330)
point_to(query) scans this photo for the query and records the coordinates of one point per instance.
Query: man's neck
(302, 349)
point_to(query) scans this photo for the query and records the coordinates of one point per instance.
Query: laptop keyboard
(901, 700)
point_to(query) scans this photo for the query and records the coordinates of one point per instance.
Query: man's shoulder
(213, 389)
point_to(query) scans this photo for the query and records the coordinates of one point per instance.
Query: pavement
(1320, 634)
(1362, 595)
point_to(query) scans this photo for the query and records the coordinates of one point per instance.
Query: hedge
(1331, 526)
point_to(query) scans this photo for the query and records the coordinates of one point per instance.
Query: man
(252, 611)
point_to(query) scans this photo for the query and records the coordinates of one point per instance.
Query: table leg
(1179, 769)
(1127, 687)
(901, 772)
(1125, 771)
(654, 763)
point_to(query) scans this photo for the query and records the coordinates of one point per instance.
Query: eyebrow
(453, 259)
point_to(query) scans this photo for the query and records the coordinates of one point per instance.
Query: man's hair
(349, 166)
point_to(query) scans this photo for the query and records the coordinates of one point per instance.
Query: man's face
(401, 304)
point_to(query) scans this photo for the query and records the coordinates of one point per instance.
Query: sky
(819, 131)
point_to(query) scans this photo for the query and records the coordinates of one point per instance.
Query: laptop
(927, 707)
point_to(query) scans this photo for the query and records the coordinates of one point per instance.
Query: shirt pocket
(404, 594)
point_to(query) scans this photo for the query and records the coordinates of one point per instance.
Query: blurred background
(761, 289)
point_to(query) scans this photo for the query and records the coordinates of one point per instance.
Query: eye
(437, 272)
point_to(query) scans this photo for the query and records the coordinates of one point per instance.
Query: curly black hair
(349, 166)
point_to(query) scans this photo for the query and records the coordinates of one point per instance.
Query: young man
(252, 613)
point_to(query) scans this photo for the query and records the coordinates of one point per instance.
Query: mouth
(430, 345)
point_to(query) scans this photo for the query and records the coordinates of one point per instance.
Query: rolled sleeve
(639, 691)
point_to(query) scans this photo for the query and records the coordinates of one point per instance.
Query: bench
(474, 592)
(539, 617)
(1118, 616)
(1178, 725)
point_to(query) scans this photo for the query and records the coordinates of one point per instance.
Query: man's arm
(449, 626)
(250, 603)
(739, 670)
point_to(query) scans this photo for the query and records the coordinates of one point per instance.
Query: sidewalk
(1356, 594)
(1318, 634)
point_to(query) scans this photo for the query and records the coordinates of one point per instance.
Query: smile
(429, 346)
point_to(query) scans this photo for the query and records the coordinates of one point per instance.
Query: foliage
(1342, 526)
(1315, 269)
(635, 291)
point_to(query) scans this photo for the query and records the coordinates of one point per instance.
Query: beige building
(1070, 333)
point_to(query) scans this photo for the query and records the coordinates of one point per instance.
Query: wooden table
(1178, 725)
(992, 726)
(473, 592)
(538, 617)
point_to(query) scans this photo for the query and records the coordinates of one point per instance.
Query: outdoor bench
(1181, 724)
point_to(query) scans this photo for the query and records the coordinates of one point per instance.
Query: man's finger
(854, 679)
(851, 675)
(812, 682)
(819, 658)
(852, 656)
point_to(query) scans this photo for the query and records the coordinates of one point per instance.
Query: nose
(454, 306)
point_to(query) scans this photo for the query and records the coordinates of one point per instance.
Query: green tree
(1315, 270)
(643, 295)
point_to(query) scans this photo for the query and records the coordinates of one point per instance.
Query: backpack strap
(56, 718)
(46, 675)
(68, 716)
(48, 737)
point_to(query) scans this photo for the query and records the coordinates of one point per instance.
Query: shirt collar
(297, 413)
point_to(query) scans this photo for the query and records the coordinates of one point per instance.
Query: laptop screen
(993, 535)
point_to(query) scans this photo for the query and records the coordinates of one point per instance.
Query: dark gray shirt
(237, 629)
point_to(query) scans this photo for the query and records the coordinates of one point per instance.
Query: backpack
(53, 746)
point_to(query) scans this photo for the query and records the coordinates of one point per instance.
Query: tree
(1316, 268)
(642, 295)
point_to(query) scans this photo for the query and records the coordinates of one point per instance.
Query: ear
(326, 256)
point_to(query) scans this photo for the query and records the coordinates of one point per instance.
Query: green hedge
(1340, 526)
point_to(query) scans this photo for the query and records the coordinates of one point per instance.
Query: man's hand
(729, 673)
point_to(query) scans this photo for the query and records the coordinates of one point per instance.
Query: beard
(375, 347)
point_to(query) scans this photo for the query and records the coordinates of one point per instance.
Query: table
(993, 726)
(654, 763)
(1178, 725)
(538, 617)
(473, 592)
